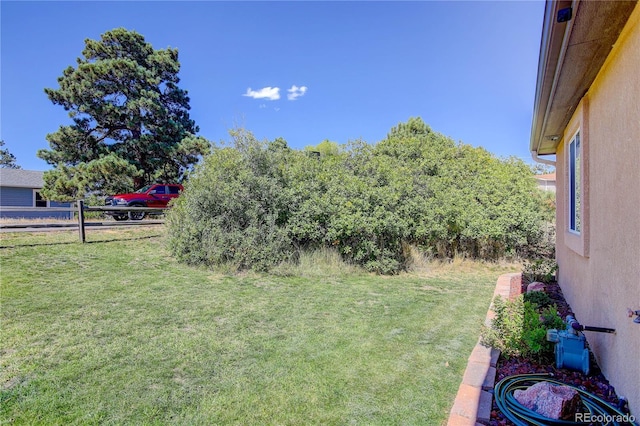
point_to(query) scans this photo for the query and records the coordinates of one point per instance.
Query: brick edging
(472, 405)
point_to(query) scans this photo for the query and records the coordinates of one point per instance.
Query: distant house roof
(18, 178)
(546, 182)
(550, 177)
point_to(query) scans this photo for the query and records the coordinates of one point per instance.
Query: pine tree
(7, 159)
(125, 103)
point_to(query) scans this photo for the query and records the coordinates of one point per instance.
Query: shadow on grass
(58, 243)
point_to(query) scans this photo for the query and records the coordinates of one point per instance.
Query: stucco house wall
(599, 269)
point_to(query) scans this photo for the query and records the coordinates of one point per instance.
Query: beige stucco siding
(600, 269)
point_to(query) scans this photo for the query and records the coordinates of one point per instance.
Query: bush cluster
(539, 298)
(255, 204)
(541, 269)
(520, 326)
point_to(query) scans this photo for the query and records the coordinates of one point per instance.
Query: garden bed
(594, 382)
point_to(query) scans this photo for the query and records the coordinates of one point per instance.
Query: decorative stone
(535, 286)
(549, 400)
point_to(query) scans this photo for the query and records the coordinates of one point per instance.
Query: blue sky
(355, 68)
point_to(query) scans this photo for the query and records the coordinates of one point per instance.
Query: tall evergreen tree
(125, 103)
(7, 159)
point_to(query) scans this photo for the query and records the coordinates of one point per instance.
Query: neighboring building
(546, 182)
(21, 188)
(587, 114)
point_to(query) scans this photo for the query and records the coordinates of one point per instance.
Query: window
(574, 204)
(38, 201)
(174, 189)
(575, 178)
(160, 189)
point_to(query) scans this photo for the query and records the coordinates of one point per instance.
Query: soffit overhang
(571, 55)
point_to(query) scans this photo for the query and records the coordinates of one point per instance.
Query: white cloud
(271, 93)
(262, 106)
(295, 92)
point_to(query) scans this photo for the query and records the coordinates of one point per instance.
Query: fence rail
(80, 208)
(37, 209)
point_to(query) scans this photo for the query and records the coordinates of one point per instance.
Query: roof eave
(550, 47)
(571, 54)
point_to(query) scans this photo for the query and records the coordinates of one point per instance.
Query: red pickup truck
(156, 195)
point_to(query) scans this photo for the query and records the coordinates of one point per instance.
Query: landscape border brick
(472, 405)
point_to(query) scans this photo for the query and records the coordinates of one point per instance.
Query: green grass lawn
(117, 332)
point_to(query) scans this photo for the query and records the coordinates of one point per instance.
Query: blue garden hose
(522, 416)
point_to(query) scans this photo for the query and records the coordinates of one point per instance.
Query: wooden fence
(80, 208)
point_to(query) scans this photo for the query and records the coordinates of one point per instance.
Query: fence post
(81, 220)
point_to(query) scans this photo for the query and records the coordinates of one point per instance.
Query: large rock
(549, 400)
(535, 286)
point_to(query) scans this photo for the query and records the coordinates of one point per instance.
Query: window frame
(162, 192)
(35, 200)
(578, 242)
(574, 221)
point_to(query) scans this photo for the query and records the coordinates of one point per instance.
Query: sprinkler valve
(571, 345)
(574, 326)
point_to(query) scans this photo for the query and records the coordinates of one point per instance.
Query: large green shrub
(254, 204)
(233, 211)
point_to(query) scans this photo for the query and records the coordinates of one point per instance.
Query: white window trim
(33, 203)
(575, 209)
(578, 242)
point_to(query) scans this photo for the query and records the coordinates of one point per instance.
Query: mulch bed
(594, 383)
